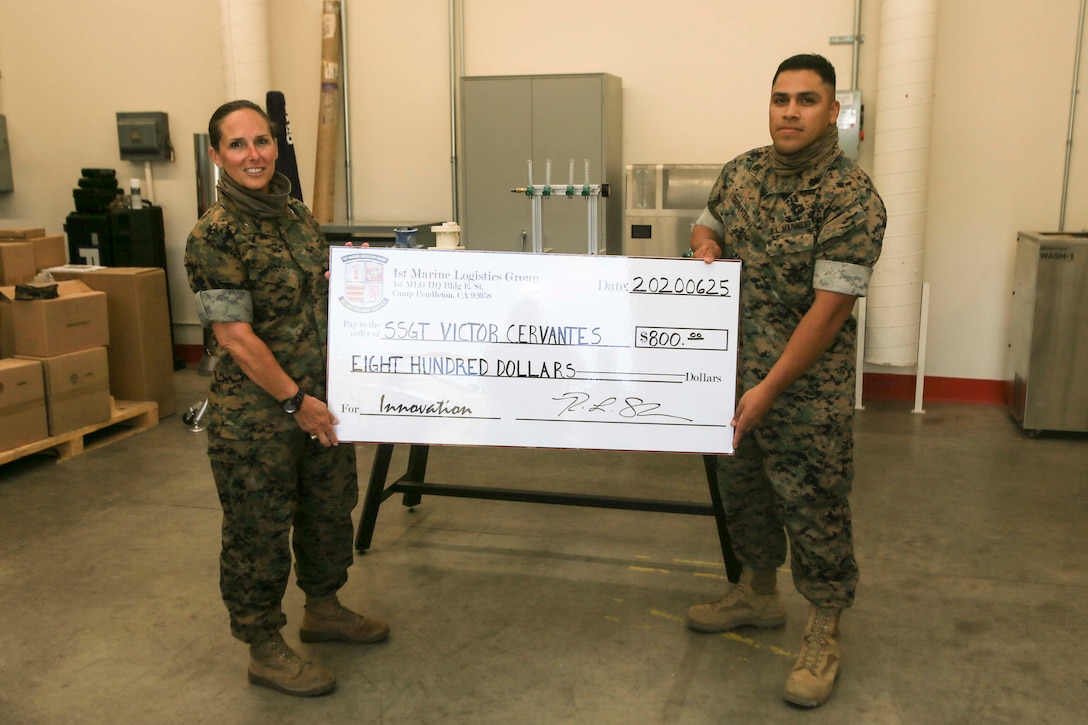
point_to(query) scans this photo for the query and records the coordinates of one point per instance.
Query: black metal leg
(733, 566)
(379, 471)
(415, 476)
(416, 472)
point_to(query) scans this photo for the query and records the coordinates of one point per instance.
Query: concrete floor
(971, 608)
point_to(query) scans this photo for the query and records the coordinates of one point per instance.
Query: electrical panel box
(144, 136)
(6, 182)
(849, 122)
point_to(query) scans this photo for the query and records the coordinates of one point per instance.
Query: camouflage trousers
(267, 487)
(793, 480)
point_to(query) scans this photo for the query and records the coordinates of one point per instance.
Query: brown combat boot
(327, 620)
(742, 605)
(813, 675)
(274, 665)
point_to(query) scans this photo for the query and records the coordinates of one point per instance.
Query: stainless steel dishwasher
(1047, 384)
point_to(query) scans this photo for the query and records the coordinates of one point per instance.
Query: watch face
(291, 405)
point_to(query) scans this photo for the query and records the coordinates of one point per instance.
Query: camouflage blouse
(821, 229)
(270, 273)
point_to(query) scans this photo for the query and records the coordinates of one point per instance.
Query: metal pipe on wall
(461, 35)
(857, 45)
(1072, 118)
(207, 174)
(456, 29)
(345, 96)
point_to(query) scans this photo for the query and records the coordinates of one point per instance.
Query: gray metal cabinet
(1047, 385)
(507, 120)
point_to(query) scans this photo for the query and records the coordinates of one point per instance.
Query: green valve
(585, 191)
(547, 191)
(529, 191)
(688, 253)
(570, 191)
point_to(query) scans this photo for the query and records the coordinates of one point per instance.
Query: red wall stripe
(888, 386)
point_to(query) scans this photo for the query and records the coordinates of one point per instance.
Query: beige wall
(68, 66)
(695, 77)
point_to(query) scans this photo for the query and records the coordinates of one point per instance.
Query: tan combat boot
(275, 665)
(326, 620)
(814, 673)
(751, 602)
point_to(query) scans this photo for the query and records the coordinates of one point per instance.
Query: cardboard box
(16, 262)
(141, 351)
(7, 331)
(49, 251)
(21, 233)
(22, 403)
(77, 389)
(76, 320)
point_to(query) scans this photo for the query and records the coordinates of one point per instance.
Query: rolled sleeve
(224, 305)
(842, 277)
(706, 219)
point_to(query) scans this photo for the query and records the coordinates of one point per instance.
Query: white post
(538, 225)
(591, 205)
(923, 331)
(149, 182)
(858, 373)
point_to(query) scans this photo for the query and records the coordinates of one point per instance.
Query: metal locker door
(497, 144)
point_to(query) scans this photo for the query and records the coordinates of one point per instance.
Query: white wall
(695, 73)
(68, 66)
(1000, 122)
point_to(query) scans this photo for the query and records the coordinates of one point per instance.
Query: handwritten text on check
(536, 350)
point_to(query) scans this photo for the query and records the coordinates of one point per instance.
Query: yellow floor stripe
(716, 565)
(648, 569)
(666, 615)
(732, 636)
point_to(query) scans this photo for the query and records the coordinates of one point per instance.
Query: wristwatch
(291, 405)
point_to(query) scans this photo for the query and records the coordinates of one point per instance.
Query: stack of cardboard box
(22, 403)
(106, 332)
(67, 337)
(141, 351)
(25, 251)
(47, 391)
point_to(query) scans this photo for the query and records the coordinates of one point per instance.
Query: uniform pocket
(791, 250)
(277, 287)
(276, 276)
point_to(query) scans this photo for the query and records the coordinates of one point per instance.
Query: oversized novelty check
(533, 350)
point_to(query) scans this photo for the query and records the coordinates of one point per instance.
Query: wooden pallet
(128, 417)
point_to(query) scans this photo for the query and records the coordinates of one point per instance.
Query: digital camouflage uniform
(820, 229)
(269, 474)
